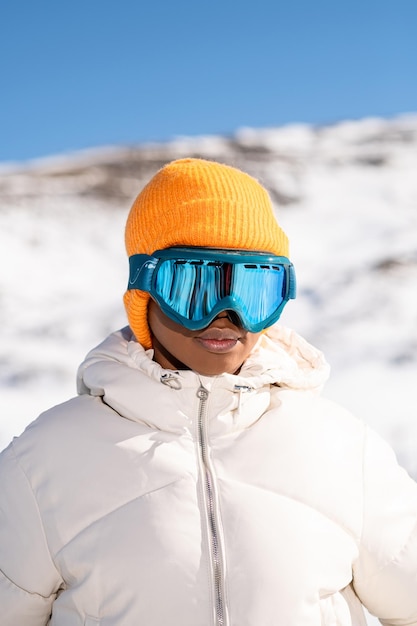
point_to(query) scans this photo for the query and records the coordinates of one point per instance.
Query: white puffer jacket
(160, 498)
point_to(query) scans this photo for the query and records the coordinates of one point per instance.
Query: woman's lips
(218, 340)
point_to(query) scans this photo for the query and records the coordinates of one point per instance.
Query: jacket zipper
(213, 521)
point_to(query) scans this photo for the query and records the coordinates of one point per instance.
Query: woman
(199, 478)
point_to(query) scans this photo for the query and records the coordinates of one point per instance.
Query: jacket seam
(395, 556)
(19, 465)
(117, 508)
(26, 591)
(333, 520)
(403, 546)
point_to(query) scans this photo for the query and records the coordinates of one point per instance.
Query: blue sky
(88, 73)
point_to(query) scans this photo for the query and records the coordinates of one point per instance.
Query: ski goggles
(193, 285)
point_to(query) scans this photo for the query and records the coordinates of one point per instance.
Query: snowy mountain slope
(345, 194)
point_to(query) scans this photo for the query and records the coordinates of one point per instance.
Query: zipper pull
(171, 380)
(240, 389)
(202, 393)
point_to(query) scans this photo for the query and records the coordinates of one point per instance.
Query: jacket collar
(121, 372)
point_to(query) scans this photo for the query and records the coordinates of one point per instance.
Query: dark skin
(221, 347)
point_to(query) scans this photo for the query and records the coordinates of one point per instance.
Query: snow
(345, 194)
(57, 301)
(352, 221)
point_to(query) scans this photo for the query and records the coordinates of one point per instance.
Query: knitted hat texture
(194, 202)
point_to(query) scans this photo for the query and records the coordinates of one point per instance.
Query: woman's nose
(231, 316)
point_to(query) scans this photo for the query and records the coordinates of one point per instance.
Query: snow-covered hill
(346, 195)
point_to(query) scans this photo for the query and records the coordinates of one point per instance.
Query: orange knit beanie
(194, 202)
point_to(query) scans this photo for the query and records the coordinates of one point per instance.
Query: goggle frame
(143, 273)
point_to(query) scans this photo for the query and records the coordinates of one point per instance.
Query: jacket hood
(281, 357)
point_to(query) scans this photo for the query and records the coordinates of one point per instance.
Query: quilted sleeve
(385, 575)
(28, 579)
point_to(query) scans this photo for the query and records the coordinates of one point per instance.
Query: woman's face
(220, 347)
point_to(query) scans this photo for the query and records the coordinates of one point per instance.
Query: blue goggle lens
(192, 286)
